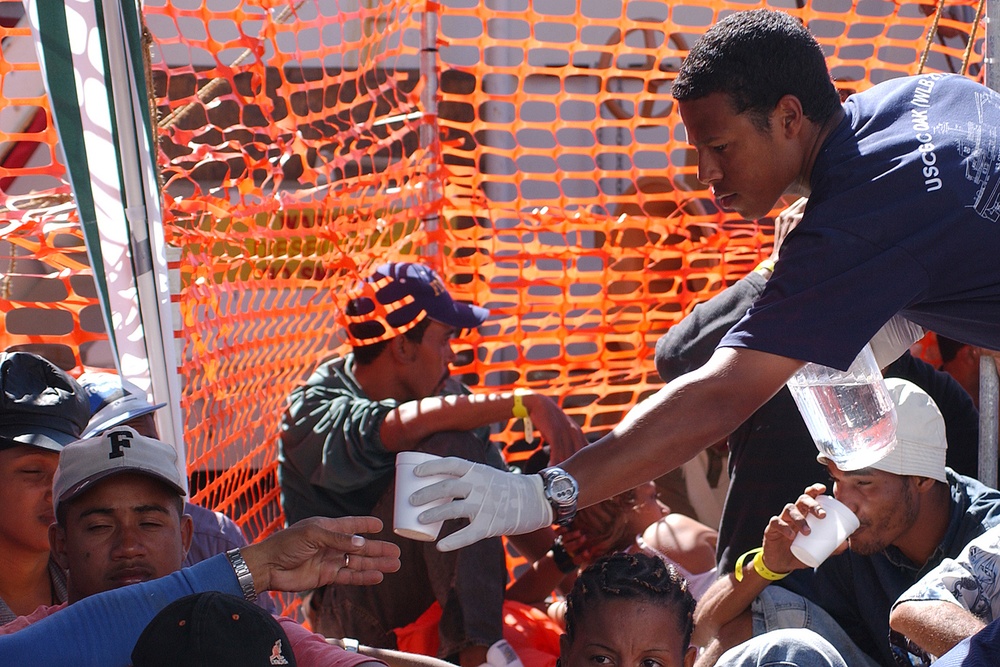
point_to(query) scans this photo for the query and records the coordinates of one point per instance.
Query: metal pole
(992, 73)
(989, 398)
(428, 130)
(988, 392)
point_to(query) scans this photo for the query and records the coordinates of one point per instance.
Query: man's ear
(789, 116)
(403, 349)
(924, 484)
(57, 545)
(187, 532)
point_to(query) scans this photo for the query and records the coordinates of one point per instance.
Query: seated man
(339, 441)
(41, 410)
(914, 512)
(955, 600)
(101, 630)
(118, 500)
(114, 402)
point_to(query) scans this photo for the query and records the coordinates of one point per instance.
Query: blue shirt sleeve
(101, 630)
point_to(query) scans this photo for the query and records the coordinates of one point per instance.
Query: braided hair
(630, 576)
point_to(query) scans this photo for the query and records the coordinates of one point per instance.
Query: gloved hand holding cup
(495, 502)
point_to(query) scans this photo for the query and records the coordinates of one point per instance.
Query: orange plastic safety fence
(47, 295)
(540, 166)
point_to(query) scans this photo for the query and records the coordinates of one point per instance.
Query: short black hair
(366, 354)
(635, 576)
(757, 57)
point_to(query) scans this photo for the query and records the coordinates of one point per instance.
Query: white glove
(494, 502)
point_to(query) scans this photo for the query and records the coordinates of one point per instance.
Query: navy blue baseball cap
(40, 404)
(406, 294)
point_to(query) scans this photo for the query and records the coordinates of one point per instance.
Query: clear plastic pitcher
(849, 414)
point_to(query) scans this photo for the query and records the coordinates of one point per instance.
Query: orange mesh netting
(540, 167)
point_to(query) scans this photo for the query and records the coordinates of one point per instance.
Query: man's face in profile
(746, 167)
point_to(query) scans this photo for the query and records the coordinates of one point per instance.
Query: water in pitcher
(849, 414)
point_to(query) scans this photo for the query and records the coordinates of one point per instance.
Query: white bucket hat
(921, 445)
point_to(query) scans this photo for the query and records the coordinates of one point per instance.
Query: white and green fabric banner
(90, 52)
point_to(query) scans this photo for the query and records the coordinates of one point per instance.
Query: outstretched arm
(656, 436)
(101, 630)
(319, 551)
(674, 424)
(411, 422)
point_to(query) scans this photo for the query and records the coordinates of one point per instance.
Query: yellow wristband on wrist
(765, 265)
(521, 412)
(758, 566)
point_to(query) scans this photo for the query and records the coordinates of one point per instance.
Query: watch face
(562, 489)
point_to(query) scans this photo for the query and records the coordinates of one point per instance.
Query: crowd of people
(108, 563)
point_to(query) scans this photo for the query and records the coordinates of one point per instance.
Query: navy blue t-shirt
(903, 217)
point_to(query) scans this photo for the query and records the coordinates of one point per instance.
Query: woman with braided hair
(628, 610)
(635, 521)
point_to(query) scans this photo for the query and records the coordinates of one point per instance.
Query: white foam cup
(404, 519)
(825, 534)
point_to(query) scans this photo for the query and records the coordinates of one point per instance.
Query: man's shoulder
(975, 510)
(332, 380)
(976, 499)
(332, 373)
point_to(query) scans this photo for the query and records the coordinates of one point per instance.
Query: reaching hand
(319, 551)
(565, 437)
(495, 502)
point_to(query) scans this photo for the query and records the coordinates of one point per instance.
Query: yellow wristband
(765, 265)
(520, 412)
(758, 566)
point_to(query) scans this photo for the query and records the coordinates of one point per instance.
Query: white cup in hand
(404, 519)
(825, 534)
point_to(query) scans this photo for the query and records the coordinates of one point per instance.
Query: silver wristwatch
(562, 492)
(243, 575)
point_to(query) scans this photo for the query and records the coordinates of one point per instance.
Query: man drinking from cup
(912, 513)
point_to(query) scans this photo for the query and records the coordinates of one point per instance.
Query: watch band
(561, 557)
(563, 505)
(243, 575)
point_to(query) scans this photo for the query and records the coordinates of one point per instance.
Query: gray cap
(118, 450)
(40, 405)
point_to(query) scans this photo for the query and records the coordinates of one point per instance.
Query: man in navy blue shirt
(904, 202)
